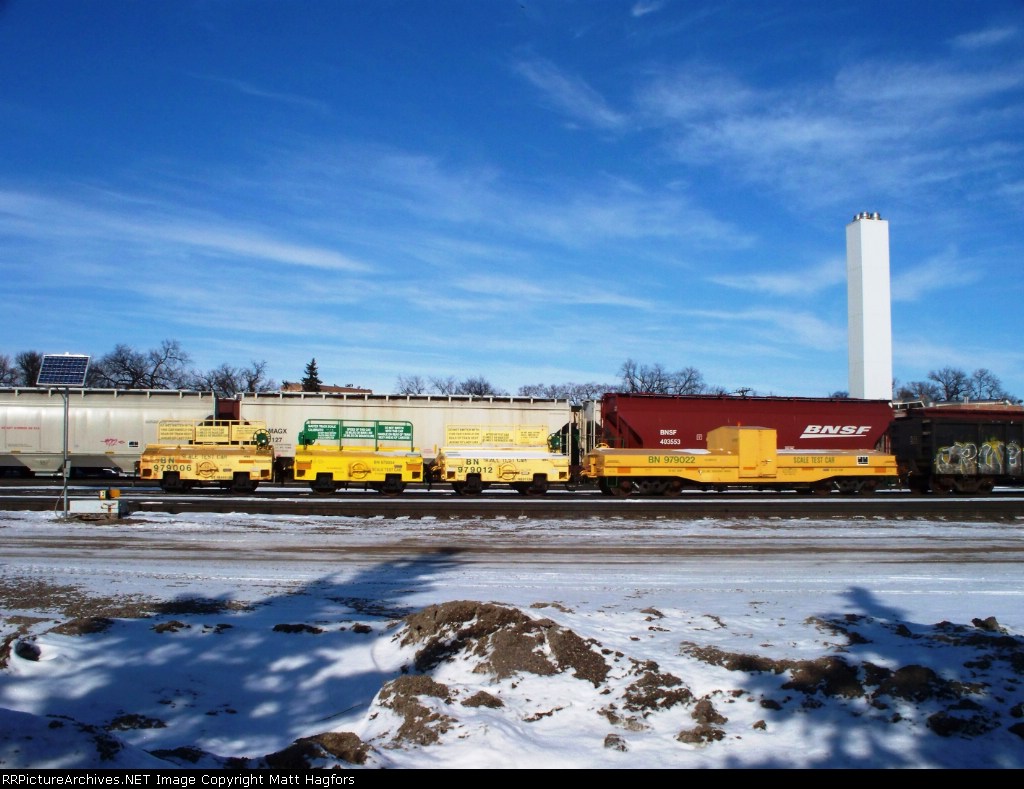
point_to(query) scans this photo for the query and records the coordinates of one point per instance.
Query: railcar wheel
(603, 486)
(621, 488)
(856, 487)
(650, 487)
(392, 486)
(471, 487)
(171, 483)
(943, 486)
(243, 484)
(323, 485)
(673, 487)
(538, 487)
(821, 488)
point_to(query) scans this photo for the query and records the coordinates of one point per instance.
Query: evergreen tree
(311, 379)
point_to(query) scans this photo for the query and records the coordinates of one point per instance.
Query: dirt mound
(506, 641)
(330, 747)
(420, 724)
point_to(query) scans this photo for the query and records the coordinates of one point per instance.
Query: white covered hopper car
(285, 414)
(107, 428)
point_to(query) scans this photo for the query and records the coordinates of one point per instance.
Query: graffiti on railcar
(967, 458)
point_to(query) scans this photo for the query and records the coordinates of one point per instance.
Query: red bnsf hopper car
(645, 421)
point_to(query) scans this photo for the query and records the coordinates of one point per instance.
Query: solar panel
(64, 370)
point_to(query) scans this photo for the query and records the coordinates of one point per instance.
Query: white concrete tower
(868, 308)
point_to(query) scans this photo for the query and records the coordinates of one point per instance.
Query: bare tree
(411, 385)
(985, 385)
(655, 379)
(122, 368)
(223, 381)
(8, 371)
(925, 391)
(445, 386)
(168, 366)
(953, 383)
(28, 364)
(689, 380)
(574, 393)
(254, 378)
(478, 387)
(165, 367)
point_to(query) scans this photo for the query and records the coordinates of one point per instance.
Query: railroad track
(442, 503)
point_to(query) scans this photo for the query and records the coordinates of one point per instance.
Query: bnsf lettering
(838, 431)
(667, 432)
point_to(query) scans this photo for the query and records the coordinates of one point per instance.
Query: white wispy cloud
(249, 89)
(786, 281)
(247, 244)
(947, 271)
(45, 217)
(571, 94)
(921, 90)
(784, 328)
(520, 294)
(883, 126)
(983, 39)
(415, 187)
(645, 7)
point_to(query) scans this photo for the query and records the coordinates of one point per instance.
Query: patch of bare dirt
(32, 594)
(654, 690)
(420, 724)
(306, 753)
(506, 641)
(134, 721)
(71, 602)
(834, 676)
(83, 626)
(297, 628)
(483, 699)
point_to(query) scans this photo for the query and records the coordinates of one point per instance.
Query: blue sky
(529, 191)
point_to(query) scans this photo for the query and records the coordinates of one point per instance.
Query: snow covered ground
(254, 641)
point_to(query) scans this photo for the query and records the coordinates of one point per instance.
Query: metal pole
(65, 466)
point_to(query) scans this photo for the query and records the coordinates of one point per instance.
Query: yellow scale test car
(738, 456)
(234, 455)
(477, 456)
(333, 453)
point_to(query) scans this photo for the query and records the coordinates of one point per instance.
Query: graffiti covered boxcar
(959, 449)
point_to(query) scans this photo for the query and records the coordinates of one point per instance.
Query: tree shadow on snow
(212, 672)
(890, 692)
